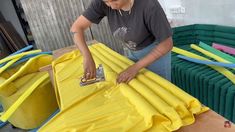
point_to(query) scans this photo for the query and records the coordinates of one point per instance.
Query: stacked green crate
(201, 81)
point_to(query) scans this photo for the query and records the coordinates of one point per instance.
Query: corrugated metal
(50, 22)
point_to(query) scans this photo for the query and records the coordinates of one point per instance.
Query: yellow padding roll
(147, 103)
(221, 70)
(192, 104)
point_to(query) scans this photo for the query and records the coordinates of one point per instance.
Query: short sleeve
(156, 21)
(95, 11)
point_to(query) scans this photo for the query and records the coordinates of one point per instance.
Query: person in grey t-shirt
(143, 27)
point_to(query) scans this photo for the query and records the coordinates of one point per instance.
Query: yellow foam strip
(21, 70)
(193, 104)
(9, 64)
(221, 70)
(19, 55)
(22, 98)
(207, 53)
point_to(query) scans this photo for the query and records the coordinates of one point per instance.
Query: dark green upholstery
(210, 87)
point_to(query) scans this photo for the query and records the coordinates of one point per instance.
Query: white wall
(221, 12)
(167, 4)
(8, 11)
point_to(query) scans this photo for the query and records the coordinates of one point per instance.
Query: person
(143, 27)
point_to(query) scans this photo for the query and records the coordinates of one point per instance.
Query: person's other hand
(128, 74)
(89, 68)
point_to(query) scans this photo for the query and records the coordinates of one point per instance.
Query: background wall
(221, 12)
(8, 11)
(50, 20)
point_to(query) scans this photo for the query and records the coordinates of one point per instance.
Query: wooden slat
(7, 42)
(14, 40)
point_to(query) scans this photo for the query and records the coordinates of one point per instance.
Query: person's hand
(128, 74)
(89, 68)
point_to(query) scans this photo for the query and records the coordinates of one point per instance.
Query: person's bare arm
(78, 28)
(160, 50)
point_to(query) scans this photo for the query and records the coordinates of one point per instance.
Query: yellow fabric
(29, 97)
(148, 102)
(221, 70)
(11, 88)
(39, 79)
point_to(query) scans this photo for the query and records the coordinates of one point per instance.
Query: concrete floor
(8, 128)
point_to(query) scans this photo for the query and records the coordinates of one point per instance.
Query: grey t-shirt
(144, 24)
